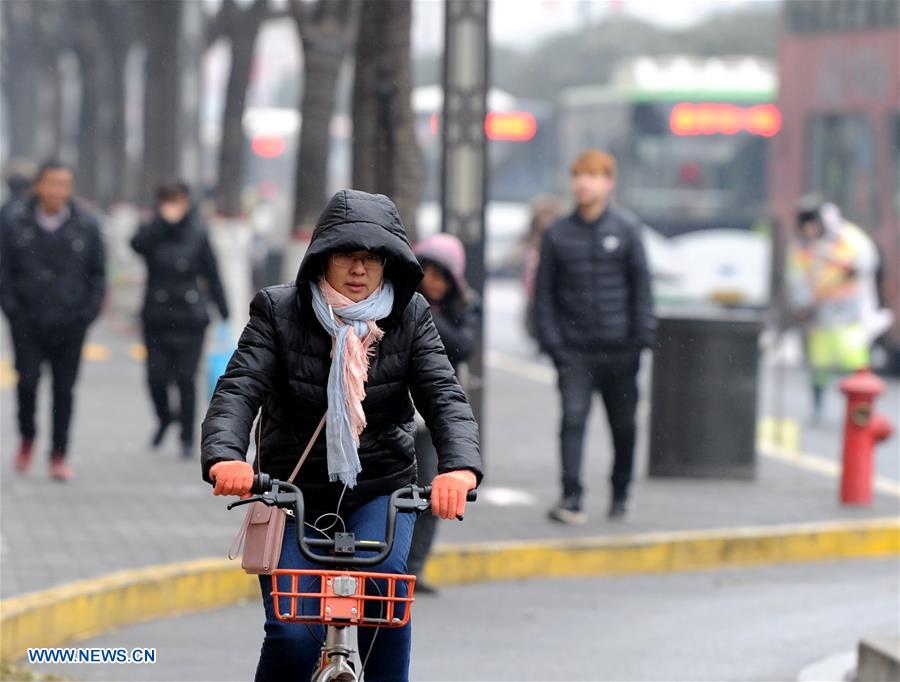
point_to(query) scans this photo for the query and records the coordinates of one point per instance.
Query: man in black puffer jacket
(52, 282)
(594, 315)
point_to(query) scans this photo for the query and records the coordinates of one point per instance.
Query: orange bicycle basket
(342, 597)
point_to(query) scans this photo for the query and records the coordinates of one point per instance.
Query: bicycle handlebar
(285, 495)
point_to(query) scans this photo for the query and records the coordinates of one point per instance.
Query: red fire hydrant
(862, 431)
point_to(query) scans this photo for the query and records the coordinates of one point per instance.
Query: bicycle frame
(334, 665)
(342, 594)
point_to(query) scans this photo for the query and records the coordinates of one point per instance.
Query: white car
(710, 266)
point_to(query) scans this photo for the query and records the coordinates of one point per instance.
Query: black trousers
(426, 524)
(172, 359)
(614, 375)
(61, 349)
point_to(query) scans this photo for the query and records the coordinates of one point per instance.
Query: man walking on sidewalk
(594, 315)
(52, 282)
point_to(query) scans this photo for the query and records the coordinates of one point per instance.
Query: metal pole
(464, 158)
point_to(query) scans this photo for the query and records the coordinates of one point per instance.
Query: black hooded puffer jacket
(179, 258)
(283, 359)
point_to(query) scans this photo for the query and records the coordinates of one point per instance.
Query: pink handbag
(262, 531)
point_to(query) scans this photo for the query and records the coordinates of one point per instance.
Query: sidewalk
(131, 507)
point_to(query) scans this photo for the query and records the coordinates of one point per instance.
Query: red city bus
(839, 97)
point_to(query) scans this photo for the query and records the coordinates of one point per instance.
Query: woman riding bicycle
(350, 336)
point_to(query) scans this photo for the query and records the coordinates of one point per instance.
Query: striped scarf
(352, 326)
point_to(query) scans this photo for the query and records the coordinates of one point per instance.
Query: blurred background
(691, 100)
(722, 115)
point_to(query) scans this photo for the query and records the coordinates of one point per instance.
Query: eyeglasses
(371, 261)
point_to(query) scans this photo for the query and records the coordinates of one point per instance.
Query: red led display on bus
(502, 126)
(714, 118)
(510, 126)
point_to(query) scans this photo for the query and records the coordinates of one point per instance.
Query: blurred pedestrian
(831, 285)
(181, 273)
(456, 311)
(594, 315)
(52, 282)
(19, 179)
(544, 212)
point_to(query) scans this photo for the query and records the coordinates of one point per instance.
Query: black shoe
(425, 587)
(161, 432)
(618, 508)
(568, 511)
(187, 451)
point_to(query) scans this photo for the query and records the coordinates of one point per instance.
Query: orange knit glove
(232, 478)
(448, 493)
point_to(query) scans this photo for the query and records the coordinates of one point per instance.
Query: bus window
(840, 164)
(680, 180)
(649, 119)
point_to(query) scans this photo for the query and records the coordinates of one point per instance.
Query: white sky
(519, 23)
(515, 23)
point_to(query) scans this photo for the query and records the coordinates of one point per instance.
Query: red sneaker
(23, 457)
(59, 470)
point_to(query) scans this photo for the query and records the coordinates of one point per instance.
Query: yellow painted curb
(667, 552)
(86, 608)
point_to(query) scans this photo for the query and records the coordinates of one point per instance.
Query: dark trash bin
(704, 386)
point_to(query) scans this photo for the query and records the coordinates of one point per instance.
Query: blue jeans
(290, 652)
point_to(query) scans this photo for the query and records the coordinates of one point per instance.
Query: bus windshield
(704, 170)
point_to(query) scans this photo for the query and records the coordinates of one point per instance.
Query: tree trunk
(117, 141)
(88, 139)
(90, 49)
(51, 41)
(46, 140)
(231, 147)
(386, 157)
(162, 21)
(21, 52)
(117, 21)
(327, 30)
(320, 70)
(56, 103)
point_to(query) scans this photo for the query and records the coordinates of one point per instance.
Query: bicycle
(342, 591)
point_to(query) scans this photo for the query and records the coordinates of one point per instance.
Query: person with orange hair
(594, 315)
